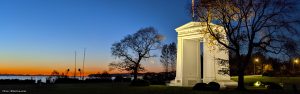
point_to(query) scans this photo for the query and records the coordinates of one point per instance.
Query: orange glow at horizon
(42, 70)
(40, 65)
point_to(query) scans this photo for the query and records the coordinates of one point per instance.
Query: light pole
(296, 61)
(256, 60)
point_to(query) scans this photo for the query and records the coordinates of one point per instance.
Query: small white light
(257, 83)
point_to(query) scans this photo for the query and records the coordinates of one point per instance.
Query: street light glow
(256, 59)
(296, 61)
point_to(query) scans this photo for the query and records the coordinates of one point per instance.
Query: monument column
(179, 64)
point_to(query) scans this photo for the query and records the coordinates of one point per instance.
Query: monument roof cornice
(194, 27)
(191, 25)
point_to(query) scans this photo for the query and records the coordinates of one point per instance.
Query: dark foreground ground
(124, 88)
(120, 88)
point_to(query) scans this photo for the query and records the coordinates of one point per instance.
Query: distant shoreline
(23, 75)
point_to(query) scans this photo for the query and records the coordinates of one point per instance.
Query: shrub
(139, 83)
(121, 79)
(98, 80)
(201, 86)
(214, 86)
(270, 74)
(156, 82)
(273, 86)
(67, 80)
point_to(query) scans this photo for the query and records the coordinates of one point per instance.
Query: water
(21, 77)
(42, 78)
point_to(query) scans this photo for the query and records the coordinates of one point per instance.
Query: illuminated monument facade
(198, 59)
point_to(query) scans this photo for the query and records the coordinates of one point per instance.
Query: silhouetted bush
(214, 86)
(273, 86)
(68, 80)
(139, 83)
(98, 80)
(126, 79)
(201, 86)
(269, 73)
(118, 79)
(157, 82)
(94, 75)
(121, 79)
(159, 78)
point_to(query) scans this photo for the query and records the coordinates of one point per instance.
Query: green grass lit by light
(252, 79)
(287, 82)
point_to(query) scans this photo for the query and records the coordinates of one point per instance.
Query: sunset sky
(39, 36)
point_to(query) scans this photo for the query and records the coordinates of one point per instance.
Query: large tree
(134, 48)
(168, 56)
(248, 26)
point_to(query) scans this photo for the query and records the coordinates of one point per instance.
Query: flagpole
(193, 9)
(83, 63)
(75, 66)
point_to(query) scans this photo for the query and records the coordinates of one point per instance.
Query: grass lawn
(286, 80)
(124, 88)
(120, 88)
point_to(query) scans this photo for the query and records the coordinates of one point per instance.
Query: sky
(39, 36)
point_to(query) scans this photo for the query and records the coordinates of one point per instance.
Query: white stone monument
(191, 69)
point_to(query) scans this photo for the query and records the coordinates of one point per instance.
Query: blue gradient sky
(42, 35)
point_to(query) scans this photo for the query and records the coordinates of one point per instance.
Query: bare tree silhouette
(133, 48)
(168, 57)
(67, 72)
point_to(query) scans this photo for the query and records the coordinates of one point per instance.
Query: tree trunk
(241, 85)
(135, 72)
(241, 69)
(167, 68)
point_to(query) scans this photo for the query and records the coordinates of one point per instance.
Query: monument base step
(223, 83)
(172, 83)
(227, 83)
